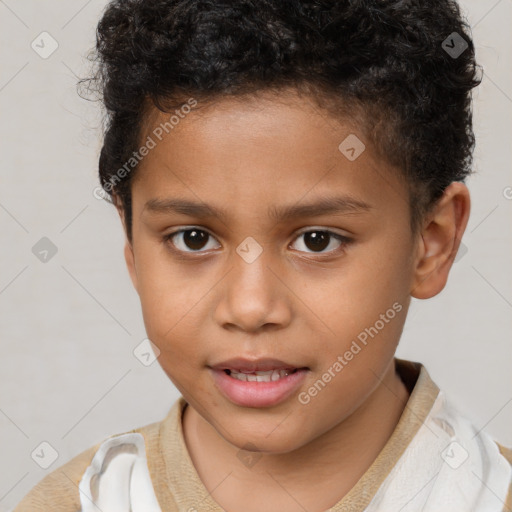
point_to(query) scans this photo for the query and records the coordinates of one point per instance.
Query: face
(274, 327)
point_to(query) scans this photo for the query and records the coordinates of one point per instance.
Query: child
(288, 175)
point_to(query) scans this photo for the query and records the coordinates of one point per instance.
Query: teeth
(268, 376)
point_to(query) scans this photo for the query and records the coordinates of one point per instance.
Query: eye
(194, 239)
(319, 239)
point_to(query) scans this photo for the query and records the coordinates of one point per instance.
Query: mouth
(257, 383)
(260, 376)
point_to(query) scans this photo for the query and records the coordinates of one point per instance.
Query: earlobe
(440, 240)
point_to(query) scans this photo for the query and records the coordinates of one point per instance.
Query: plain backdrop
(69, 326)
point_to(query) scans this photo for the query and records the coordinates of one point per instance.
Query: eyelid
(321, 228)
(167, 239)
(344, 239)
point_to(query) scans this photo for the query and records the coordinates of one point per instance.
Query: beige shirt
(177, 485)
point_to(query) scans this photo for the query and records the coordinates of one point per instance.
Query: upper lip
(254, 365)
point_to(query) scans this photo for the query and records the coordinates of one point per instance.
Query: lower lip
(258, 394)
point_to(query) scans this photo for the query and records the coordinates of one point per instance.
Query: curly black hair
(404, 68)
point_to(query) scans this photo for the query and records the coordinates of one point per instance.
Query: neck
(346, 451)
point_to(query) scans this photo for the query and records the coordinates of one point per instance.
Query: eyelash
(167, 239)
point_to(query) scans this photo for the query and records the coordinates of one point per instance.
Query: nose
(253, 296)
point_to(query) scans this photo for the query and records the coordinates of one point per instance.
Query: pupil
(316, 240)
(195, 239)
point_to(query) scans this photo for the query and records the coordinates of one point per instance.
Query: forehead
(258, 152)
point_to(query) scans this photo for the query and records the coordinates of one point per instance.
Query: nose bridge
(252, 294)
(251, 274)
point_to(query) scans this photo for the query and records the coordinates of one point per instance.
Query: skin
(291, 303)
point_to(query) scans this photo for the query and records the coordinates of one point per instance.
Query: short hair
(404, 69)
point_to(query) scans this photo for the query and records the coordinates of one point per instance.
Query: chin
(267, 437)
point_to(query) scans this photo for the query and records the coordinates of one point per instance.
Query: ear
(439, 241)
(128, 247)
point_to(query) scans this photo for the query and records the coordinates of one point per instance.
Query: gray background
(69, 326)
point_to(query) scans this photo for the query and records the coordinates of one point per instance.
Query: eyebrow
(340, 205)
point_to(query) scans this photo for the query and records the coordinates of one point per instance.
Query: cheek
(382, 274)
(167, 300)
(356, 297)
(167, 291)
(364, 306)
